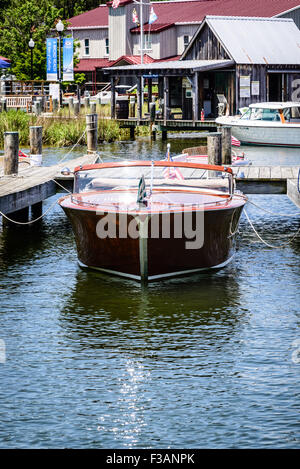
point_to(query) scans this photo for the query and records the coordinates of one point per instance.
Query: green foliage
(79, 78)
(16, 121)
(23, 20)
(62, 130)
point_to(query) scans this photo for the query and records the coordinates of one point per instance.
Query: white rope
(273, 213)
(31, 221)
(74, 146)
(60, 185)
(265, 242)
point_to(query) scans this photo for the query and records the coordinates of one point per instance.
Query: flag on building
(115, 3)
(141, 191)
(153, 16)
(135, 17)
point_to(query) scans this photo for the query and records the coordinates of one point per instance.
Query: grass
(63, 129)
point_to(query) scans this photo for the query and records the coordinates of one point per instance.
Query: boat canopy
(275, 105)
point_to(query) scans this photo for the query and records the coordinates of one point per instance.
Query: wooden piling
(36, 137)
(164, 135)
(132, 133)
(214, 149)
(71, 104)
(3, 104)
(132, 106)
(87, 102)
(152, 112)
(36, 210)
(55, 104)
(19, 216)
(11, 153)
(76, 108)
(226, 144)
(93, 108)
(91, 132)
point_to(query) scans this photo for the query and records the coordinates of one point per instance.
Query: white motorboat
(273, 124)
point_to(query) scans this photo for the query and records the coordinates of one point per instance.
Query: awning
(4, 64)
(176, 67)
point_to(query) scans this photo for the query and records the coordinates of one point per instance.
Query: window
(147, 42)
(186, 41)
(106, 46)
(86, 47)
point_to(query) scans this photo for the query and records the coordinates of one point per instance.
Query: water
(208, 361)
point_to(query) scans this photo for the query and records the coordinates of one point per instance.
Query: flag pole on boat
(168, 151)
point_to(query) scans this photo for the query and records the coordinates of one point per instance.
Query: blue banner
(68, 72)
(51, 59)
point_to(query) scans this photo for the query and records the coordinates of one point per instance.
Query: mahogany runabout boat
(148, 220)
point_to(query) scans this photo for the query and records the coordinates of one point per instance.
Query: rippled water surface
(208, 361)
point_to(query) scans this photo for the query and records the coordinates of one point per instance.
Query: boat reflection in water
(105, 311)
(150, 220)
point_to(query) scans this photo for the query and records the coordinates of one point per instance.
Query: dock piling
(91, 132)
(132, 106)
(36, 137)
(226, 144)
(93, 108)
(76, 108)
(11, 153)
(214, 149)
(71, 104)
(54, 104)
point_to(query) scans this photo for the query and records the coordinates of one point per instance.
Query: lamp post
(31, 45)
(59, 28)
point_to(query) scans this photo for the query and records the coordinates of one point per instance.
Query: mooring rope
(28, 222)
(74, 146)
(265, 242)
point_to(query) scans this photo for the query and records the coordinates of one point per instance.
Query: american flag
(135, 18)
(235, 142)
(115, 3)
(172, 173)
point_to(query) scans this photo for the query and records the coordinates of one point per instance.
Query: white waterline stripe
(183, 272)
(156, 277)
(114, 272)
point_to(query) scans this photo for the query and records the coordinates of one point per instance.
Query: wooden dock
(264, 179)
(33, 184)
(164, 126)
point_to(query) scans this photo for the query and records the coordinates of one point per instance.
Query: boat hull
(160, 251)
(270, 134)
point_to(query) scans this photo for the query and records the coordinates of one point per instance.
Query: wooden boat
(150, 220)
(271, 123)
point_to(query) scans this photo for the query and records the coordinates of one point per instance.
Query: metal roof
(195, 65)
(189, 11)
(268, 41)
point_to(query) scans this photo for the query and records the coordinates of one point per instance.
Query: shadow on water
(22, 244)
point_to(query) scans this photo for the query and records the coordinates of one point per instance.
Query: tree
(21, 21)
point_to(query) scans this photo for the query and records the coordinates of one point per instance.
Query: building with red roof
(108, 35)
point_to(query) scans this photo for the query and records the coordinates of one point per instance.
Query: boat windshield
(290, 114)
(261, 114)
(114, 177)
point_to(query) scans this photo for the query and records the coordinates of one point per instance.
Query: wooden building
(245, 59)
(105, 34)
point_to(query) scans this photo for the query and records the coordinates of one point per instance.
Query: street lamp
(31, 45)
(59, 28)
